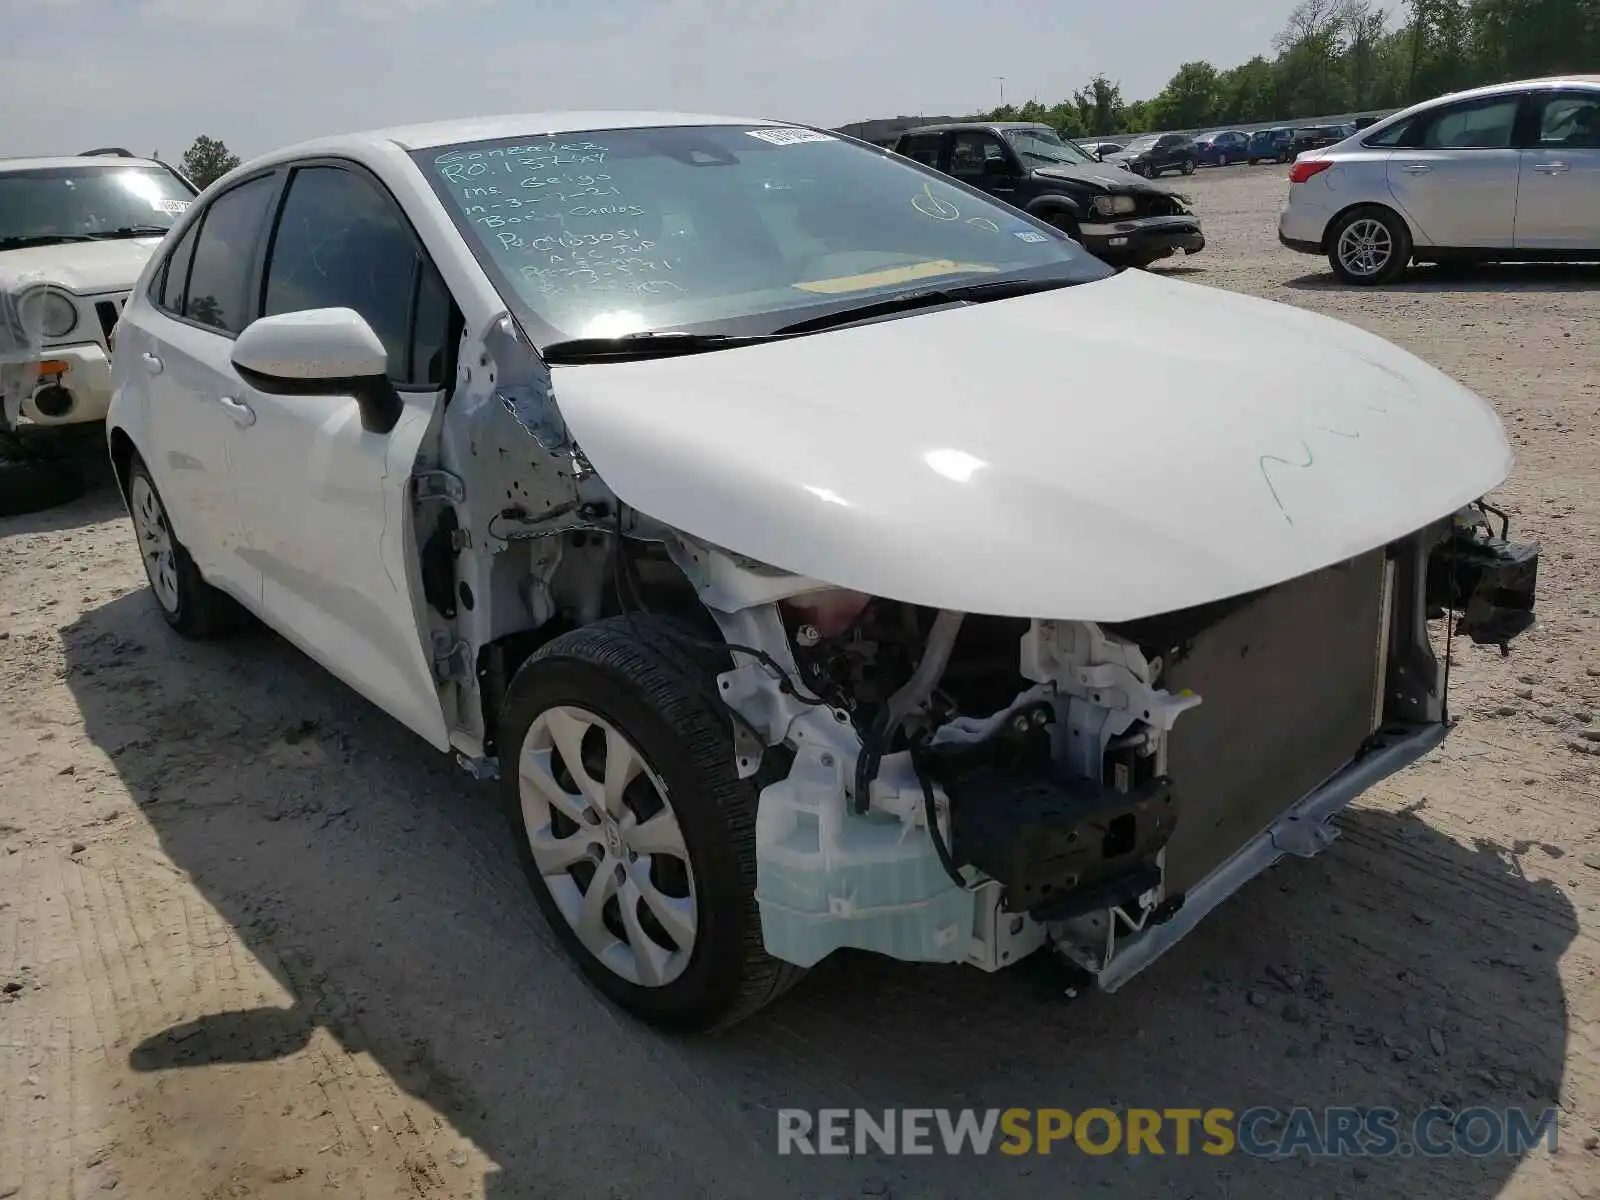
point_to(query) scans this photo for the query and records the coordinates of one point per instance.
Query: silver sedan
(1509, 172)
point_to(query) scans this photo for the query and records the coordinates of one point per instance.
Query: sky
(151, 75)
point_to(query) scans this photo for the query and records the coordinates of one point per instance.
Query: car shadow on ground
(99, 502)
(1470, 277)
(378, 885)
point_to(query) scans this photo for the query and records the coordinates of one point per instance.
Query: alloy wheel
(607, 843)
(1365, 247)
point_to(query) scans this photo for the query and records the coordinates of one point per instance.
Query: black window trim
(423, 261)
(253, 275)
(1419, 121)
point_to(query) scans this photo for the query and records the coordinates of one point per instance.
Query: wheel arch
(1053, 202)
(1341, 214)
(120, 444)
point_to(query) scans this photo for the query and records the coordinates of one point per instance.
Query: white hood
(1102, 452)
(82, 267)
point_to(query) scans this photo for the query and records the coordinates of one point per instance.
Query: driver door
(324, 501)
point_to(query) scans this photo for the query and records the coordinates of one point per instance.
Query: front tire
(1369, 246)
(30, 484)
(633, 827)
(187, 602)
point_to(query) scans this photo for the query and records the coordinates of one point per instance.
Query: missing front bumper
(1116, 956)
(1490, 580)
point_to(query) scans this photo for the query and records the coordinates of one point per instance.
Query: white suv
(74, 234)
(1508, 172)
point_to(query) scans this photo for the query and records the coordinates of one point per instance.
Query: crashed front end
(951, 788)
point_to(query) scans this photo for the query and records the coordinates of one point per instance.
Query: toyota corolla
(776, 519)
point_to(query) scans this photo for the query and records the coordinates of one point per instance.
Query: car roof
(428, 135)
(74, 160)
(997, 126)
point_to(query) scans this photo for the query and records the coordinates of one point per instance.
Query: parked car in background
(1222, 147)
(763, 593)
(1154, 154)
(1269, 145)
(1102, 150)
(1314, 137)
(74, 234)
(1510, 171)
(1123, 220)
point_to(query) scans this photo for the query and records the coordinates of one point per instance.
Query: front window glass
(1041, 147)
(1141, 143)
(725, 228)
(41, 206)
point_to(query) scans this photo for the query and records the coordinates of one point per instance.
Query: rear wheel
(1369, 246)
(1188, 166)
(634, 829)
(187, 602)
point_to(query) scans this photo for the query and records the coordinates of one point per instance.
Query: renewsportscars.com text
(1260, 1132)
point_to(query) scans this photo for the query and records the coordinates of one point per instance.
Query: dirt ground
(258, 941)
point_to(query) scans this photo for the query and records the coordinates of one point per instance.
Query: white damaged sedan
(751, 501)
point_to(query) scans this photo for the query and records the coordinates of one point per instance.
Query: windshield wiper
(631, 346)
(128, 231)
(41, 239)
(965, 293)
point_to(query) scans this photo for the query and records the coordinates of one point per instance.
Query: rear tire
(1188, 166)
(187, 602)
(1369, 246)
(634, 687)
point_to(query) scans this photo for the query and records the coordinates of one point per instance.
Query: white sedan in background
(1509, 172)
(719, 486)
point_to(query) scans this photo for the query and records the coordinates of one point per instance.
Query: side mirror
(998, 168)
(320, 352)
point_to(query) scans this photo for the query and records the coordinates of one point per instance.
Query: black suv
(1154, 154)
(1118, 217)
(1315, 137)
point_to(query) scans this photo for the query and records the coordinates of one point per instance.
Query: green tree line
(1337, 56)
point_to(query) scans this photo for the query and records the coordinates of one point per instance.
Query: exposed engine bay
(949, 787)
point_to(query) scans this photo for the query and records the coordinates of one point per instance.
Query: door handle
(241, 412)
(1416, 168)
(1551, 168)
(151, 363)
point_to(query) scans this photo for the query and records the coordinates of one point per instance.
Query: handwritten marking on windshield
(930, 205)
(984, 223)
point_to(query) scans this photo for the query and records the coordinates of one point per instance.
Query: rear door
(1455, 174)
(326, 503)
(983, 160)
(199, 304)
(923, 147)
(1558, 198)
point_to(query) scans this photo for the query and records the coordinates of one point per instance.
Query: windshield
(66, 204)
(1142, 143)
(1043, 146)
(722, 229)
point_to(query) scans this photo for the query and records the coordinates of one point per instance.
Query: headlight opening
(47, 314)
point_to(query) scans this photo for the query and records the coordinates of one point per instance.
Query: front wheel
(1066, 225)
(32, 482)
(1369, 246)
(633, 827)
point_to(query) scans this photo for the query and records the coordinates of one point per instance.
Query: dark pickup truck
(1117, 216)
